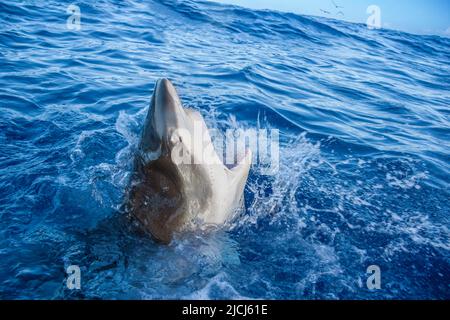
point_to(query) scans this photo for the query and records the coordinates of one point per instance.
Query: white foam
(218, 282)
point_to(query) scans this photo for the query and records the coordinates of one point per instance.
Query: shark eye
(180, 136)
(176, 138)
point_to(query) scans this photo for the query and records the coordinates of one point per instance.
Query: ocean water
(364, 124)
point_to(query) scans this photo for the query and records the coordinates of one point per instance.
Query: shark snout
(168, 112)
(165, 88)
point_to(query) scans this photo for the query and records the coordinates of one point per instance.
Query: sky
(415, 16)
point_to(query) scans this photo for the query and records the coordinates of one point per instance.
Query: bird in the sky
(324, 11)
(336, 5)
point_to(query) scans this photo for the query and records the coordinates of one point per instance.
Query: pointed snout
(165, 116)
(168, 113)
(165, 89)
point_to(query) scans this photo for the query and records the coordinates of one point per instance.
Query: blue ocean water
(364, 124)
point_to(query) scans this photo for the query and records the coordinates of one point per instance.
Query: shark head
(166, 117)
(176, 180)
(175, 132)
